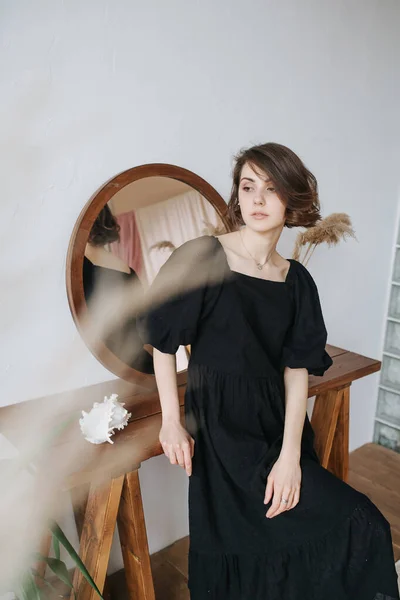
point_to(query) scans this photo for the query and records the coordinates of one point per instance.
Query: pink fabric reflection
(129, 248)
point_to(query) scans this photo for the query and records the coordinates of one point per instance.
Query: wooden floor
(374, 470)
(170, 571)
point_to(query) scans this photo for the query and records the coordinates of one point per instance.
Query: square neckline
(253, 276)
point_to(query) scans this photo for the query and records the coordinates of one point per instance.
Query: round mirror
(124, 234)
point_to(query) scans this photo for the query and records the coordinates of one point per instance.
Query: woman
(103, 273)
(267, 521)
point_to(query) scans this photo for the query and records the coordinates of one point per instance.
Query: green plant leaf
(60, 535)
(29, 590)
(56, 546)
(58, 567)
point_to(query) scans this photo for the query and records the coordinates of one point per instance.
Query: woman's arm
(296, 394)
(285, 477)
(176, 442)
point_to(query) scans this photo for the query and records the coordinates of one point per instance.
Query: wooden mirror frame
(79, 239)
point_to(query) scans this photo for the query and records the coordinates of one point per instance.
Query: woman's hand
(177, 444)
(283, 482)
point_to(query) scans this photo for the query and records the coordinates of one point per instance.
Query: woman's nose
(258, 199)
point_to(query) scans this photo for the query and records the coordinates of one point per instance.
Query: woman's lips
(259, 216)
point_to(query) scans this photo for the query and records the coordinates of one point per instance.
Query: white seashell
(99, 423)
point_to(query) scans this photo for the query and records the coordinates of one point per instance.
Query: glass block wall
(387, 419)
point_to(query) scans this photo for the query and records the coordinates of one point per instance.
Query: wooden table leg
(330, 422)
(339, 458)
(134, 545)
(97, 534)
(79, 497)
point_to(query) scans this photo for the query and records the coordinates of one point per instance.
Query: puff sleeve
(304, 344)
(175, 299)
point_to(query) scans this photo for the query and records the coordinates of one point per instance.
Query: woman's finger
(281, 508)
(187, 456)
(171, 454)
(289, 496)
(179, 455)
(286, 495)
(164, 446)
(269, 490)
(273, 509)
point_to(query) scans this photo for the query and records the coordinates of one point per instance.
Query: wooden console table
(107, 478)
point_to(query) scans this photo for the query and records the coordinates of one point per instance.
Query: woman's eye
(246, 188)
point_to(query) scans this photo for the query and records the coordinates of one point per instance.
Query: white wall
(91, 88)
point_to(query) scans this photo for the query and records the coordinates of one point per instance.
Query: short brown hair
(295, 184)
(105, 229)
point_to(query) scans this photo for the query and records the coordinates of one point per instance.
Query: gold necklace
(259, 265)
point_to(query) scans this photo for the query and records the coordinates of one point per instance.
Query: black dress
(124, 340)
(243, 330)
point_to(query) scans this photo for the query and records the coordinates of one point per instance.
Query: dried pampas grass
(330, 230)
(211, 229)
(162, 245)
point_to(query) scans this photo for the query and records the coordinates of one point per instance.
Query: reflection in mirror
(105, 272)
(132, 237)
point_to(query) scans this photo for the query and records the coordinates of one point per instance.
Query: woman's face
(260, 205)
